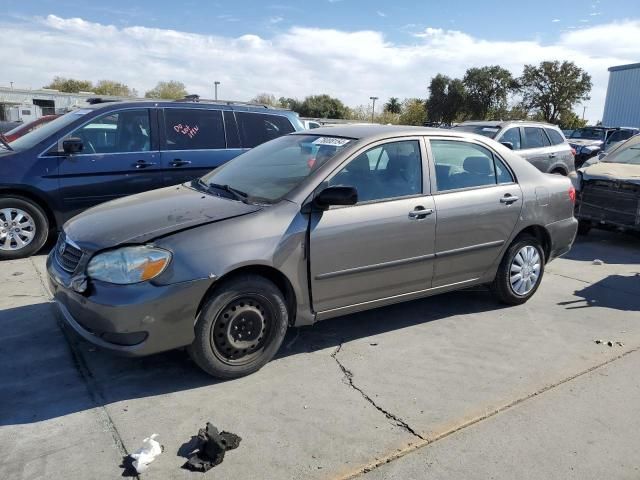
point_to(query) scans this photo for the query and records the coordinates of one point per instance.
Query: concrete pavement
(345, 396)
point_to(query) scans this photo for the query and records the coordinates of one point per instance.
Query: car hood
(584, 141)
(622, 172)
(146, 216)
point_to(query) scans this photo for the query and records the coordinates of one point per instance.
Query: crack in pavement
(348, 374)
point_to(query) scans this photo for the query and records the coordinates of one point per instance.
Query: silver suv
(541, 144)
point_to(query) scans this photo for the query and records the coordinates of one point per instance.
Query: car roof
(502, 123)
(373, 132)
(200, 104)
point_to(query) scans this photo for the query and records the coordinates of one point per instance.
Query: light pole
(584, 109)
(215, 86)
(11, 85)
(373, 108)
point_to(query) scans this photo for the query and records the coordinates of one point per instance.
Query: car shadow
(608, 246)
(51, 372)
(619, 292)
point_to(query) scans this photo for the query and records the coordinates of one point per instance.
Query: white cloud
(381, 14)
(555, 20)
(297, 62)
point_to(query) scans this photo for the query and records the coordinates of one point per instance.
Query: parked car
(276, 238)
(590, 141)
(114, 149)
(23, 129)
(609, 190)
(5, 126)
(542, 144)
(310, 124)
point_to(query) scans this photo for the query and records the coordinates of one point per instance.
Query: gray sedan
(304, 228)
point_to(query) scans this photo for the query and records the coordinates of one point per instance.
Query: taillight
(572, 194)
(573, 151)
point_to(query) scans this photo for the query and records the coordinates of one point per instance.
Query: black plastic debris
(211, 446)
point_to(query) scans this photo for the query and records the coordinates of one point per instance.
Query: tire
(559, 171)
(583, 227)
(502, 285)
(32, 223)
(247, 305)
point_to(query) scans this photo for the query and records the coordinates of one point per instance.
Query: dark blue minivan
(109, 150)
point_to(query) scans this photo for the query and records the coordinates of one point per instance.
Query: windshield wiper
(4, 142)
(237, 194)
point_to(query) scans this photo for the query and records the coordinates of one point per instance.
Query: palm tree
(393, 105)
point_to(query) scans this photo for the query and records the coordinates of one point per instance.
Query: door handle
(179, 163)
(420, 212)
(552, 155)
(509, 199)
(143, 164)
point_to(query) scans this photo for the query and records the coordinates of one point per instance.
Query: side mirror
(336, 196)
(72, 145)
(509, 145)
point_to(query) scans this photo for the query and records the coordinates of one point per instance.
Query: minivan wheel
(240, 328)
(520, 271)
(23, 228)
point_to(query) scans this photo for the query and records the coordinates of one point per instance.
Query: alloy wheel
(17, 229)
(524, 272)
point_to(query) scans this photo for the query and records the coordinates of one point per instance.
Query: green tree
(265, 99)
(393, 105)
(171, 90)
(322, 106)
(487, 89)
(110, 87)
(447, 100)
(552, 88)
(413, 112)
(290, 103)
(70, 85)
(569, 120)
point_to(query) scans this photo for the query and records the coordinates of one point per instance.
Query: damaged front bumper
(131, 320)
(610, 203)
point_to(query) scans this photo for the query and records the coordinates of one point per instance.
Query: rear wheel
(520, 271)
(559, 171)
(24, 228)
(240, 328)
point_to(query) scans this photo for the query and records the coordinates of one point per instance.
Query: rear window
(193, 129)
(485, 130)
(555, 136)
(257, 128)
(535, 138)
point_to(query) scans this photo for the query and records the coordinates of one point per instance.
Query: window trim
(432, 166)
(424, 163)
(163, 146)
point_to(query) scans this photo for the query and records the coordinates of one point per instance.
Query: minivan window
(116, 132)
(535, 137)
(257, 128)
(270, 171)
(34, 137)
(193, 129)
(513, 135)
(555, 136)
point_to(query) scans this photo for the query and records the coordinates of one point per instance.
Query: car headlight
(129, 264)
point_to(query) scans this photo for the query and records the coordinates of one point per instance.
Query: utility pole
(584, 109)
(11, 85)
(215, 86)
(373, 108)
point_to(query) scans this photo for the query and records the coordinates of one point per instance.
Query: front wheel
(240, 328)
(520, 271)
(23, 228)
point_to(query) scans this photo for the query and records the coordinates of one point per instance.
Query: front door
(383, 246)
(119, 158)
(478, 203)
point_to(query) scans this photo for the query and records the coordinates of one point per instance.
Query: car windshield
(588, 134)
(485, 130)
(38, 135)
(270, 171)
(628, 153)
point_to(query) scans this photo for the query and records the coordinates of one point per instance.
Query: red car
(21, 130)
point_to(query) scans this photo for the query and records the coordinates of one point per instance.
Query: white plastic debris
(597, 261)
(146, 454)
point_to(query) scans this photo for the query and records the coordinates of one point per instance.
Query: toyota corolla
(305, 228)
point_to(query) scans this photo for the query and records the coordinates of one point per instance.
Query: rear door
(537, 148)
(477, 202)
(120, 157)
(194, 143)
(560, 155)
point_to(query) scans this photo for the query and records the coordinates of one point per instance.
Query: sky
(351, 49)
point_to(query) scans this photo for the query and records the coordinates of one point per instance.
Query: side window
(389, 171)
(193, 129)
(465, 165)
(116, 132)
(257, 128)
(555, 136)
(535, 138)
(512, 135)
(231, 129)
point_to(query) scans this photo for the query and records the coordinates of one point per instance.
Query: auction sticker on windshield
(334, 141)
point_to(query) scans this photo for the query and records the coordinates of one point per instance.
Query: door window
(555, 136)
(513, 135)
(466, 165)
(193, 129)
(389, 171)
(257, 128)
(116, 132)
(535, 138)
